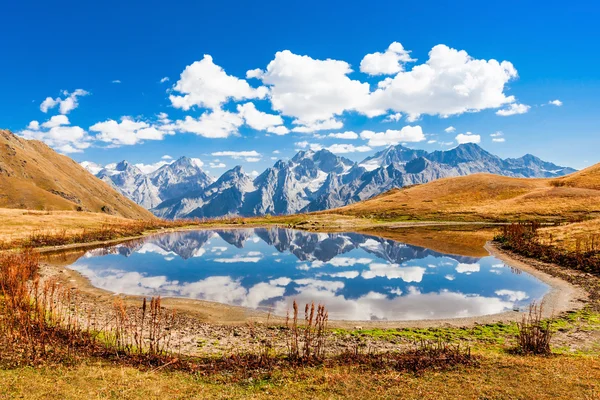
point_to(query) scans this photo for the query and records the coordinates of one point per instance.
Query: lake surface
(357, 277)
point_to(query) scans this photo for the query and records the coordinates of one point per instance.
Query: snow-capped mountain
(149, 190)
(310, 181)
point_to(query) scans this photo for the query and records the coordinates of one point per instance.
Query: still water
(357, 277)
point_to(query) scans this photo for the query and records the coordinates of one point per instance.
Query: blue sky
(319, 69)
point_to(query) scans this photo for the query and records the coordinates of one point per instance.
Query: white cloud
(66, 104)
(512, 295)
(306, 145)
(344, 135)
(215, 165)
(166, 157)
(91, 167)
(254, 174)
(164, 79)
(249, 156)
(340, 261)
(450, 277)
(344, 274)
(56, 120)
(311, 90)
(450, 83)
(116, 81)
(393, 117)
(513, 109)
(394, 271)
(347, 148)
(57, 134)
(463, 268)
(450, 129)
(468, 137)
(238, 259)
(327, 124)
(205, 84)
(128, 131)
(214, 124)
(149, 168)
(393, 137)
(498, 140)
(261, 121)
(34, 125)
(556, 102)
(388, 63)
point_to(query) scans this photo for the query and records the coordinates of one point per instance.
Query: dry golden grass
(33, 176)
(19, 224)
(486, 197)
(587, 178)
(567, 236)
(500, 376)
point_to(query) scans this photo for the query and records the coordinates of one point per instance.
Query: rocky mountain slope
(310, 181)
(33, 176)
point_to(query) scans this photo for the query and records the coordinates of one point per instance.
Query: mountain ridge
(33, 176)
(313, 180)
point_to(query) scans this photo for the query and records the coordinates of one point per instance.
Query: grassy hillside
(488, 197)
(33, 176)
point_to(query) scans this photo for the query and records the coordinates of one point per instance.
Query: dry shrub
(524, 240)
(306, 342)
(534, 332)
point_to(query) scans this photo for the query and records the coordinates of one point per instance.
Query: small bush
(534, 333)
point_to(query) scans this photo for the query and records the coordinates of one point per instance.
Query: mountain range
(310, 181)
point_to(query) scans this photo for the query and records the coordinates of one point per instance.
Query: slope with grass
(482, 197)
(33, 176)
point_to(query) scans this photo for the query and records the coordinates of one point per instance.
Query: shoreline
(561, 297)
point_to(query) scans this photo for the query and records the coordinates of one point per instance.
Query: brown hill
(33, 176)
(488, 197)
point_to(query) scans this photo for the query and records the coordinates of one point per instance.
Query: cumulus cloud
(66, 104)
(394, 271)
(463, 268)
(311, 90)
(331, 123)
(450, 82)
(58, 134)
(393, 137)
(393, 117)
(164, 79)
(556, 102)
(513, 109)
(390, 62)
(450, 129)
(512, 295)
(216, 165)
(129, 131)
(344, 135)
(214, 124)
(468, 137)
(205, 84)
(261, 121)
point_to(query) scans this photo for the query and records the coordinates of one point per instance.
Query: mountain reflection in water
(357, 277)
